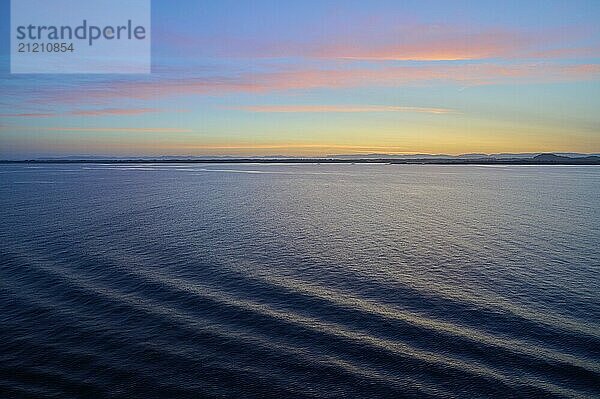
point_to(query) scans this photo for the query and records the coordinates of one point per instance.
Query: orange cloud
(447, 43)
(391, 40)
(429, 45)
(339, 109)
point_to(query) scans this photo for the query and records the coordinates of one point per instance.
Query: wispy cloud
(451, 43)
(426, 44)
(394, 40)
(115, 111)
(91, 112)
(339, 109)
(29, 115)
(98, 129)
(299, 78)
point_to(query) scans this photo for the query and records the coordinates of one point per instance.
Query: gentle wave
(141, 287)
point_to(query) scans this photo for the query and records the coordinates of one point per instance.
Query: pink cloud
(339, 109)
(450, 43)
(428, 45)
(564, 52)
(305, 79)
(395, 41)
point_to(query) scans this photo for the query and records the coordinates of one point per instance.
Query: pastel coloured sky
(318, 77)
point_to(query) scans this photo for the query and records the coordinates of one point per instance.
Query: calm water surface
(285, 281)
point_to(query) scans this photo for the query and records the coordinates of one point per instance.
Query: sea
(299, 281)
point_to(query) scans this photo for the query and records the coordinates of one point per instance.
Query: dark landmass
(540, 159)
(461, 156)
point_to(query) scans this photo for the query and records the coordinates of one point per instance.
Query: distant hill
(559, 159)
(461, 156)
(469, 159)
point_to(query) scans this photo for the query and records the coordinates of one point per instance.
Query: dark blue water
(285, 281)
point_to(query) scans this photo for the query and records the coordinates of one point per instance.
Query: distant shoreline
(544, 159)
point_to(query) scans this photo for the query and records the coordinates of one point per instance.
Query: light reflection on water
(299, 280)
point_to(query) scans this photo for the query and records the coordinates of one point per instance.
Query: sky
(322, 77)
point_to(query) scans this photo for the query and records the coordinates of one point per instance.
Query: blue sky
(326, 77)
